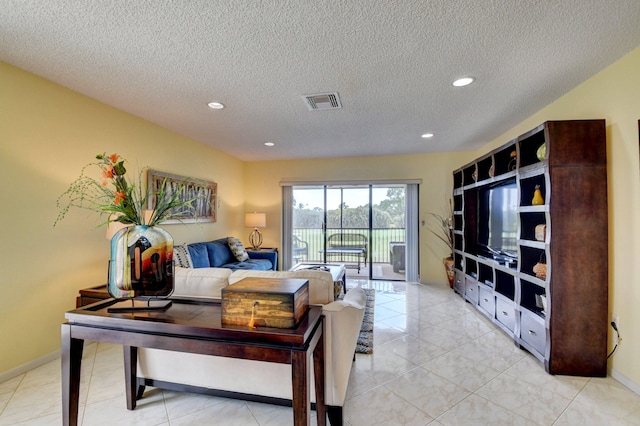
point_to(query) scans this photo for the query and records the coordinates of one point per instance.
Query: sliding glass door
(348, 228)
(362, 226)
(308, 224)
(388, 232)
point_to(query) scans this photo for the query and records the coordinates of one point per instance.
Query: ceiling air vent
(321, 101)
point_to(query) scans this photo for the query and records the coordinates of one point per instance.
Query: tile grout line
(13, 393)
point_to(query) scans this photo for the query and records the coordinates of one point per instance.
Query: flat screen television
(498, 221)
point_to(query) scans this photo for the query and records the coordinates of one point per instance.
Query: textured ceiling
(392, 62)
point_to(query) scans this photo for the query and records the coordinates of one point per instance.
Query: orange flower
(119, 197)
(114, 158)
(107, 172)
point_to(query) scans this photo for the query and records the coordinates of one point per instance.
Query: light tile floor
(436, 361)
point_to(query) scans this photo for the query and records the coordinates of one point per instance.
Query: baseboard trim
(625, 381)
(8, 375)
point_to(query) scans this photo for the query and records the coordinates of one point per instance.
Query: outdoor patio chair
(300, 249)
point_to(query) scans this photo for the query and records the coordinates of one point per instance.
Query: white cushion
(200, 282)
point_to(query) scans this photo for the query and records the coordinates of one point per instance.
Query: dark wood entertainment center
(568, 234)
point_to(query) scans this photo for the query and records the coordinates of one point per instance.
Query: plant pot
(448, 267)
(141, 263)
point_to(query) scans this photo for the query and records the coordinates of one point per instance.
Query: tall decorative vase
(448, 267)
(141, 263)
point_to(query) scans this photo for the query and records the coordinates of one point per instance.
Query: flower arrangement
(122, 201)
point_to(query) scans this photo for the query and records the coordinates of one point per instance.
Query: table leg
(300, 381)
(318, 371)
(71, 358)
(131, 374)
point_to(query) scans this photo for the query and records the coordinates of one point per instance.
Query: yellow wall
(47, 134)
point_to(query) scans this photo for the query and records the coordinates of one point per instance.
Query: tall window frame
(412, 255)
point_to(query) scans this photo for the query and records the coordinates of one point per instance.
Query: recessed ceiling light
(427, 135)
(465, 81)
(269, 144)
(215, 105)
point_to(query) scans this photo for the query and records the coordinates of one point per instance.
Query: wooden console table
(194, 327)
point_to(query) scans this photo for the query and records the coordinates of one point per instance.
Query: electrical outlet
(616, 319)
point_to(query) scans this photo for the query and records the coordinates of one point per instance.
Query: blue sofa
(217, 254)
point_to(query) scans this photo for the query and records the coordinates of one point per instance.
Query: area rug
(365, 339)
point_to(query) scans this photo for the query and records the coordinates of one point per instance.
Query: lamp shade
(255, 220)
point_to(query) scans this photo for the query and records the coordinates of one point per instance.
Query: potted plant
(443, 230)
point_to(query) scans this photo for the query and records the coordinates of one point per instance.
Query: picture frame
(191, 189)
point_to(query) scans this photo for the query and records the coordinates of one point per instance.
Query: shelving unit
(561, 318)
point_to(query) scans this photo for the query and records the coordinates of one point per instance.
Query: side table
(92, 295)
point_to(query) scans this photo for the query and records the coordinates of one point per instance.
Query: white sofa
(256, 379)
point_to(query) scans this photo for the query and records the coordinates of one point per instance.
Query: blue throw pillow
(219, 253)
(199, 255)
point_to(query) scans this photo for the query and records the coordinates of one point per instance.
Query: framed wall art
(203, 193)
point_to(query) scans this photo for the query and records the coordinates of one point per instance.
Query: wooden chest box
(265, 302)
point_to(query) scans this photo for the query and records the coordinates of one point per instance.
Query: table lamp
(255, 221)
